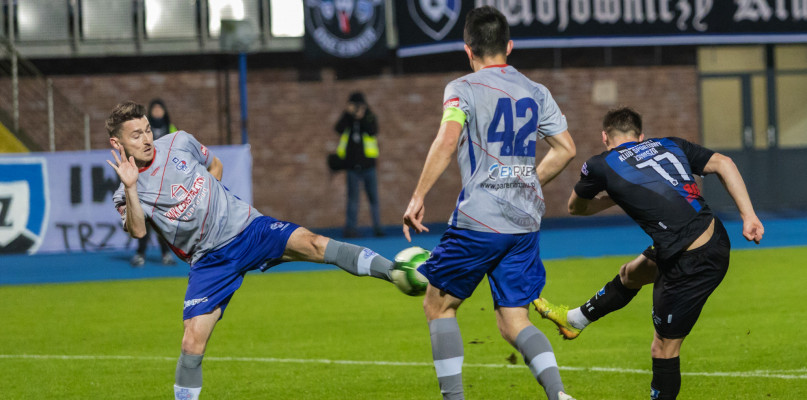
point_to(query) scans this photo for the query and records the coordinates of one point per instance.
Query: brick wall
(291, 127)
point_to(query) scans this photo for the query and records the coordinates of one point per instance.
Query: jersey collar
(140, 170)
(626, 144)
(496, 66)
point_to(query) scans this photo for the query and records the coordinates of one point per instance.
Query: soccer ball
(404, 273)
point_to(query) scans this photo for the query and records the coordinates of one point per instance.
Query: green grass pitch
(329, 335)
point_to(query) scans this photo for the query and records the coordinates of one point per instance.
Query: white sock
(577, 319)
(183, 393)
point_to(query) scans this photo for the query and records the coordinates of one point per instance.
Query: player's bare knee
(318, 245)
(665, 348)
(430, 310)
(192, 344)
(624, 274)
(304, 245)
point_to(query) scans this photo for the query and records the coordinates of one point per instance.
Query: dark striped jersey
(653, 181)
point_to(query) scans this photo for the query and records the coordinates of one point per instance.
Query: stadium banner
(62, 202)
(435, 26)
(345, 29)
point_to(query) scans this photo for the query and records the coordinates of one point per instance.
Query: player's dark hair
(486, 32)
(624, 120)
(123, 112)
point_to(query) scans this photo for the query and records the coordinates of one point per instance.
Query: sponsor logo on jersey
(23, 204)
(435, 17)
(452, 102)
(182, 165)
(189, 201)
(193, 302)
(497, 171)
(204, 150)
(584, 170)
(345, 28)
(178, 192)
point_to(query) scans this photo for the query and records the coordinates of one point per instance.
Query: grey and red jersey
(505, 114)
(189, 207)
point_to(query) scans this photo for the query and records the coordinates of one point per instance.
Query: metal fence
(39, 115)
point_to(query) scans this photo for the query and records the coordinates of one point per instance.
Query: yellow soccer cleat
(556, 314)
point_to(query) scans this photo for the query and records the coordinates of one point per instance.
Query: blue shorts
(512, 263)
(218, 274)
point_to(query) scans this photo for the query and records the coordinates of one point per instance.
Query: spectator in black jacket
(358, 150)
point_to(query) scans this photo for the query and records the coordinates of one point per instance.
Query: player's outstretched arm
(561, 151)
(436, 163)
(580, 206)
(127, 171)
(731, 179)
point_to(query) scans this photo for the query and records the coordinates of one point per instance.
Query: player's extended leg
(188, 383)
(666, 381)
(447, 352)
(515, 327)
(304, 245)
(613, 296)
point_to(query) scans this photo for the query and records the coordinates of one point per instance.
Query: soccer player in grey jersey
(492, 118)
(173, 184)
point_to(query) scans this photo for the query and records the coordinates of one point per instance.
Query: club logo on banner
(435, 17)
(345, 28)
(23, 205)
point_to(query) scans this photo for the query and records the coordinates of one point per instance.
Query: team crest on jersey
(278, 225)
(23, 205)
(182, 165)
(345, 28)
(435, 17)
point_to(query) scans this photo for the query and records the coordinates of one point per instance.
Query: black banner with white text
(435, 26)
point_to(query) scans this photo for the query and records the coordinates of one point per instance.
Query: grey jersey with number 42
(505, 114)
(190, 208)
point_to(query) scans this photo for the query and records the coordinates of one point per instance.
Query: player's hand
(753, 229)
(125, 168)
(413, 217)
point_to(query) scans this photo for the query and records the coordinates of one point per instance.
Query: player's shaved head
(122, 113)
(486, 32)
(622, 121)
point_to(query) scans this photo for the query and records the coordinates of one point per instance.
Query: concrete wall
(291, 126)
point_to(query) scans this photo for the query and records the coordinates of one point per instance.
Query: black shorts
(685, 281)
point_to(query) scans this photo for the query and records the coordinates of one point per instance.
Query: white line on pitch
(777, 374)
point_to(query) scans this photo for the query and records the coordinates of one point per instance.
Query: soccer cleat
(564, 396)
(137, 260)
(556, 314)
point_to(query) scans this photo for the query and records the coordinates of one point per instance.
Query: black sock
(666, 378)
(613, 296)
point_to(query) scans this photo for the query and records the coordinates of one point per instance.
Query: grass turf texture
(286, 326)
